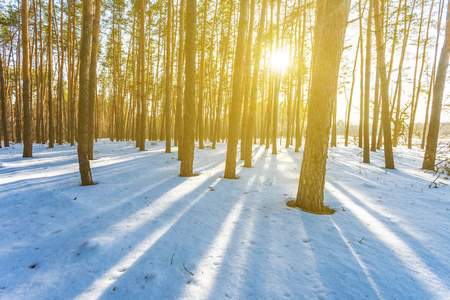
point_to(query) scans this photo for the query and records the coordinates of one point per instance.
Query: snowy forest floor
(144, 233)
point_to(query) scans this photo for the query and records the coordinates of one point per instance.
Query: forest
(208, 149)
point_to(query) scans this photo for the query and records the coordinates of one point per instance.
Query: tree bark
(51, 129)
(254, 87)
(331, 23)
(438, 95)
(366, 149)
(93, 77)
(83, 101)
(381, 65)
(236, 100)
(187, 159)
(27, 105)
(3, 99)
(168, 109)
(179, 110)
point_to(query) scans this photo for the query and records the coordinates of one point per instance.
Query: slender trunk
(349, 106)
(187, 159)
(83, 102)
(27, 105)
(277, 84)
(51, 129)
(433, 70)
(254, 87)
(438, 95)
(179, 110)
(381, 65)
(92, 93)
(168, 109)
(419, 84)
(366, 150)
(247, 83)
(236, 102)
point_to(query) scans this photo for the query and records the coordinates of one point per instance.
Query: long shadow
(433, 262)
(84, 224)
(181, 229)
(180, 246)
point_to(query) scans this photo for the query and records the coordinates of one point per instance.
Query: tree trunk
(236, 100)
(3, 99)
(366, 150)
(51, 129)
(187, 159)
(433, 70)
(168, 108)
(141, 74)
(179, 109)
(438, 95)
(27, 105)
(254, 86)
(83, 101)
(381, 65)
(419, 84)
(93, 77)
(247, 83)
(331, 23)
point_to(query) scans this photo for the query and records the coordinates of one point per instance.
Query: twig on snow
(187, 270)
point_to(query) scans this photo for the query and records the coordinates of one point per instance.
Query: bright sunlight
(280, 60)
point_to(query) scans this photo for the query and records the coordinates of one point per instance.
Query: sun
(280, 60)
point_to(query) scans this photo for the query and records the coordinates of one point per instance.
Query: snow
(142, 230)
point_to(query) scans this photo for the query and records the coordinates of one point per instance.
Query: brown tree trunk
(27, 105)
(254, 87)
(223, 69)
(92, 96)
(438, 95)
(247, 83)
(381, 65)
(433, 70)
(236, 100)
(187, 158)
(3, 100)
(51, 129)
(179, 110)
(168, 109)
(141, 74)
(83, 101)
(416, 93)
(366, 149)
(331, 23)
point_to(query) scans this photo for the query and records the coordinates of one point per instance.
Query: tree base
(191, 175)
(325, 210)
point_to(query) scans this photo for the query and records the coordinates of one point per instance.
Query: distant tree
(236, 100)
(27, 105)
(366, 150)
(141, 75)
(51, 129)
(168, 124)
(384, 87)
(331, 23)
(93, 76)
(438, 95)
(180, 68)
(3, 100)
(254, 87)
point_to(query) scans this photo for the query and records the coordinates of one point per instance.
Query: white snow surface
(143, 232)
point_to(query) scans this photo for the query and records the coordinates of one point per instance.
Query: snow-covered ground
(145, 233)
